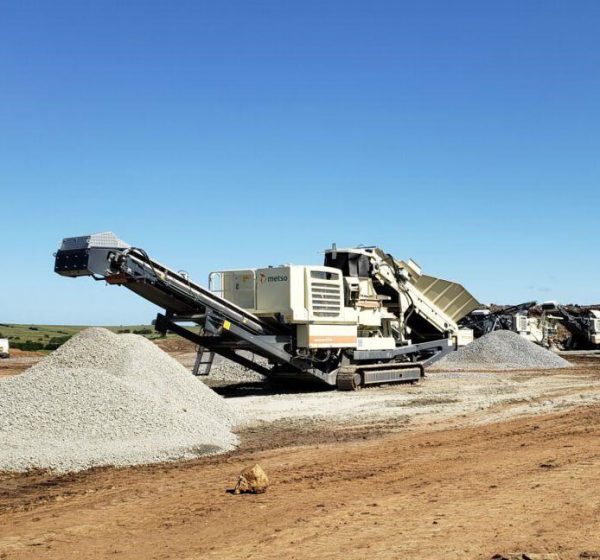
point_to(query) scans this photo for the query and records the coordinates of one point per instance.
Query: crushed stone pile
(107, 399)
(225, 371)
(501, 350)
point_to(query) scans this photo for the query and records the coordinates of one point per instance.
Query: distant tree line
(56, 341)
(35, 345)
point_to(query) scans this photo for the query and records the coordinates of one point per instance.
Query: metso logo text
(262, 278)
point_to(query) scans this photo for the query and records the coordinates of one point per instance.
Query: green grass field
(47, 334)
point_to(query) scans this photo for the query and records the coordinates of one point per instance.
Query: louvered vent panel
(326, 299)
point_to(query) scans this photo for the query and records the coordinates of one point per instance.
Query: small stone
(252, 480)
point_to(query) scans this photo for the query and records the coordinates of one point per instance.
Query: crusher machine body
(361, 318)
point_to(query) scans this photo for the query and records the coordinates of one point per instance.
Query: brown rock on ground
(252, 480)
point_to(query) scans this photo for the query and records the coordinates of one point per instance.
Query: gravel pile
(501, 350)
(226, 371)
(106, 399)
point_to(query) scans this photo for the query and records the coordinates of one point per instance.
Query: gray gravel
(501, 350)
(224, 370)
(106, 399)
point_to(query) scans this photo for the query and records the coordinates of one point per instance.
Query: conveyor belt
(227, 327)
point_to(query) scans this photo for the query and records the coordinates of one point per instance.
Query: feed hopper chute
(451, 298)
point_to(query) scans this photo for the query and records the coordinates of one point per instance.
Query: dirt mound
(175, 344)
(17, 353)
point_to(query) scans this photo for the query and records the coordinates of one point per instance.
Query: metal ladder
(204, 361)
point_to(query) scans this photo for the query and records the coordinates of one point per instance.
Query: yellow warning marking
(226, 325)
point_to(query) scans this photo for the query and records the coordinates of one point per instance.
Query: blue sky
(232, 134)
